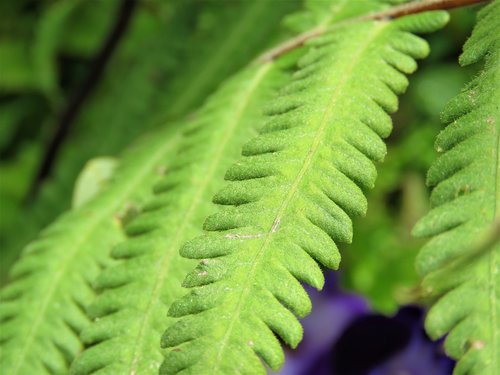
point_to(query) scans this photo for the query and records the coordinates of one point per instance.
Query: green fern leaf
(457, 266)
(290, 199)
(42, 310)
(130, 311)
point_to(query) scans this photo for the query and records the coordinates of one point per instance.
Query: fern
(42, 311)
(297, 152)
(457, 267)
(129, 313)
(290, 199)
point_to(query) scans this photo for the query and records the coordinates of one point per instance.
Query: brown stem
(395, 12)
(290, 44)
(419, 7)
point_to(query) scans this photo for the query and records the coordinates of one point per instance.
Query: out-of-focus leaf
(11, 113)
(96, 173)
(14, 182)
(86, 27)
(16, 71)
(49, 33)
(435, 86)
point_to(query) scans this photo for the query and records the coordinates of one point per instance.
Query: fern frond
(130, 311)
(42, 310)
(290, 200)
(465, 205)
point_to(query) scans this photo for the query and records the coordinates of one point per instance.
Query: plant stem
(395, 12)
(419, 7)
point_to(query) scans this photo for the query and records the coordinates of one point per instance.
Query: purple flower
(342, 337)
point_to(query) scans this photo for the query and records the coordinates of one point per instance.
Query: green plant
(284, 152)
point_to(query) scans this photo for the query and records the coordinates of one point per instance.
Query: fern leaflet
(42, 311)
(465, 205)
(290, 198)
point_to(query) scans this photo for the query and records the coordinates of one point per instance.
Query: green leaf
(15, 66)
(49, 33)
(290, 199)
(42, 310)
(458, 267)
